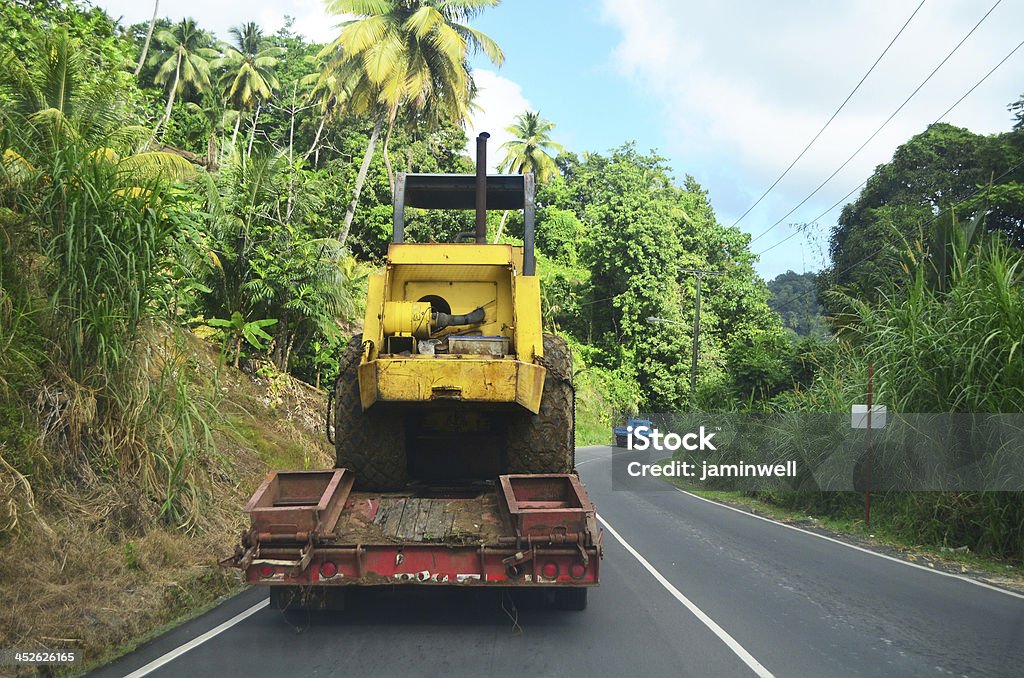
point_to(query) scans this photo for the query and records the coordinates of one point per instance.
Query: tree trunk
(316, 139)
(234, 136)
(170, 97)
(350, 213)
(211, 150)
(238, 350)
(392, 114)
(501, 227)
(149, 37)
(252, 132)
(288, 351)
(291, 161)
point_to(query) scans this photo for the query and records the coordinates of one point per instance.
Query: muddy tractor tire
(370, 443)
(545, 442)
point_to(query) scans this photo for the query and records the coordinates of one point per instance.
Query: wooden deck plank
(407, 526)
(439, 524)
(423, 515)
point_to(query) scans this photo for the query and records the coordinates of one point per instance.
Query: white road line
(605, 456)
(856, 548)
(196, 642)
(737, 649)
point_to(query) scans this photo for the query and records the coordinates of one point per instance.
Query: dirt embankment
(96, 568)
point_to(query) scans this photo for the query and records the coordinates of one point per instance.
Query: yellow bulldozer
(453, 378)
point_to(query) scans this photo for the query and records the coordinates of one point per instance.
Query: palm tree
(532, 148)
(186, 57)
(149, 37)
(250, 64)
(530, 151)
(404, 52)
(325, 95)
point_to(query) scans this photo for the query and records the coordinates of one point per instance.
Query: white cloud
(311, 17)
(742, 87)
(499, 100)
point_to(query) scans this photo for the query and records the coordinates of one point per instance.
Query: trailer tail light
(328, 569)
(266, 571)
(577, 570)
(549, 570)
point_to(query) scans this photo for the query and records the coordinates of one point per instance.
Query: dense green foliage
(935, 170)
(637, 231)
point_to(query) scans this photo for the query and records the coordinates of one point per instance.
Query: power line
(801, 230)
(993, 70)
(829, 122)
(882, 126)
(614, 296)
(860, 261)
(937, 120)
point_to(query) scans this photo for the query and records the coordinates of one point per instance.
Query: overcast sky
(728, 91)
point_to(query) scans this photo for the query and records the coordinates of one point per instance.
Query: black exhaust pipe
(481, 188)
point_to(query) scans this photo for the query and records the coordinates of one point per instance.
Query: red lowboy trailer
(311, 535)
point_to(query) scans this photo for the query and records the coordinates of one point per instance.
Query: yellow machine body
(456, 279)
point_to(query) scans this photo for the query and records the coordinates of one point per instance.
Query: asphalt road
(689, 587)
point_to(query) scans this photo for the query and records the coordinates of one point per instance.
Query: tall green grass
(948, 338)
(93, 211)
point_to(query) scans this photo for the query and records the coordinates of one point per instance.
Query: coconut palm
(405, 53)
(530, 151)
(52, 101)
(250, 63)
(186, 62)
(326, 95)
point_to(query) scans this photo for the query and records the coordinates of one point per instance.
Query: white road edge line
(737, 649)
(197, 641)
(605, 456)
(855, 547)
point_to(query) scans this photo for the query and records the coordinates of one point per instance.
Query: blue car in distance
(622, 432)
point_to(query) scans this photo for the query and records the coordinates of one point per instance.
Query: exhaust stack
(481, 188)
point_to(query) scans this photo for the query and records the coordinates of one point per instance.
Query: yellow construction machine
(452, 377)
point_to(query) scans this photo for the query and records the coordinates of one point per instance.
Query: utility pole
(700, 273)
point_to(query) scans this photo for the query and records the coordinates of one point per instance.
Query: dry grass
(89, 564)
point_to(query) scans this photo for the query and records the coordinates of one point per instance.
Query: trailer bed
(311, 529)
(396, 518)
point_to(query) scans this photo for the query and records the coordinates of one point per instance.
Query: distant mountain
(795, 298)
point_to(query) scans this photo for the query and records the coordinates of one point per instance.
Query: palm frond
(421, 22)
(481, 42)
(360, 7)
(360, 36)
(153, 164)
